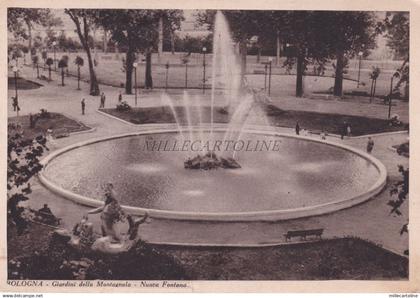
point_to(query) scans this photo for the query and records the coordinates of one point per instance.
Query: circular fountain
(297, 177)
(266, 175)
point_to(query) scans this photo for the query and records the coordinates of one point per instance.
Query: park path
(370, 220)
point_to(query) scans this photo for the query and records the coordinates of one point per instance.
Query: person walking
(343, 130)
(370, 145)
(297, 128)
(323, 135)
(102, 105)
(348, 129)
(83, 106)
(120, 98)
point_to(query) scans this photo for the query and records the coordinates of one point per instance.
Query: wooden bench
(303, 234)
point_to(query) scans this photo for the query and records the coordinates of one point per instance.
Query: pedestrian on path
(348, 129)
(343, 130)
(102, 105)
(83, 106)
(370, 145)
(297, 128)
(15, 104)
(120, 98)
(323, 135)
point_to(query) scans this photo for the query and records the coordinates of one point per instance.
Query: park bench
(303, 234)
(45, 218)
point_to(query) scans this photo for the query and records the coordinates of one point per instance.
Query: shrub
(404, 149)
(123, 107)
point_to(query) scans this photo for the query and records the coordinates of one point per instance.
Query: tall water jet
(225, 66)
(187, 107)
(167, 99)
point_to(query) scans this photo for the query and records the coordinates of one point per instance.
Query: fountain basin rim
(269, 215)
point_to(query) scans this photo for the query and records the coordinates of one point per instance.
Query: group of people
(305, 132)
(345, 130)
(101, 104)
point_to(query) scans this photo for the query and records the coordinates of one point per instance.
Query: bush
(404, 149)
(123, 107)
(44, 114)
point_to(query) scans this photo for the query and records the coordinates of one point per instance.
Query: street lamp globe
(135, 64)
(360, 54)
(270, 59)
(15, 69)
(204, 49)
(54, 43)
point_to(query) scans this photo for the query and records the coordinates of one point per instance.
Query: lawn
(40, 257)
(22, 84)
(165, 115)
(330, 123)
(311, 121)
(55, 122)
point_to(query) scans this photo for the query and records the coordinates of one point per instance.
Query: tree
(346, 33)
(49, 62)
(35, 61)
(23, 162)
(63, 63)
(18, 17)
(66, 59)
(79, 62)
(397, 28)
(136, 31)
(400, 190)
(298, 30)
(83, 19)
(374, 76)
(44, 56)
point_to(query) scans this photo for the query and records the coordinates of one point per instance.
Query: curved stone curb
(117, 118)
(380, 134)
(272, 215)
(93, 129)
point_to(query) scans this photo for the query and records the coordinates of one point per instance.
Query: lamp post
(167, 73)
(15, 100)
(135, 83)
(265, 76)
(270, 61)
(55, 60)
(204, 69)
(360, 54)
(395, 75)
(186, 75)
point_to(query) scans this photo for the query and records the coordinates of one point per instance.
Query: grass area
(347, 258)
(331, 123)
(55, 122)
(22, 84)
(312, 121)
(165, 115)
